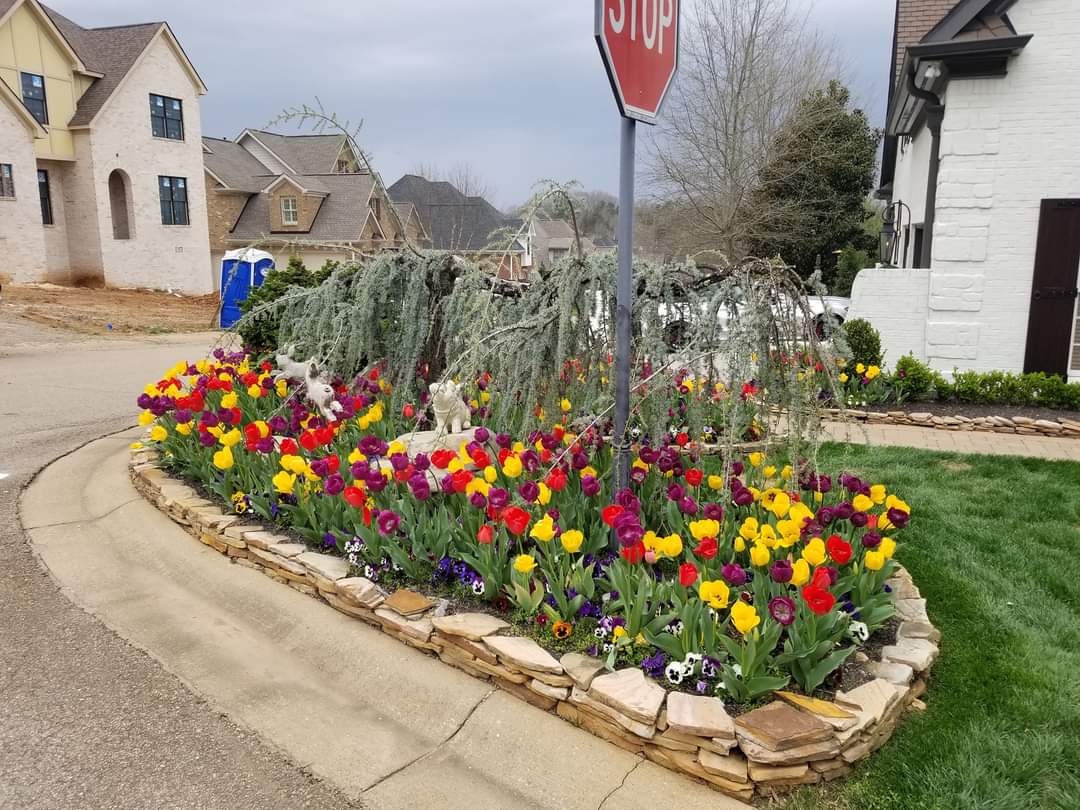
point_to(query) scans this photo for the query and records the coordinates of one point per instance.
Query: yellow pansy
(223, 458)
(158, 433)
(284, 482)
(715, 592)
(744, 617)
(543, 530)
(229, 400)
(700, 529)
(814, 553)
(874, 560)
(756, 459)
(862, 503)
(800, 573)
(511, 467)
(524, 563)
(759, 555)
(618, 631)
(145, 418)
(671, 546)
(571, 540)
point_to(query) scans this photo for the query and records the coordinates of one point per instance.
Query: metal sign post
(639, 43)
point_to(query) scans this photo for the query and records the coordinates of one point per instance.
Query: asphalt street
(87, 720)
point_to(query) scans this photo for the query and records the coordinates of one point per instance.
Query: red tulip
(486, 534)
(480, 458)
(288, 447)
(324, 435)
(694, 477)
(461, 480)
(408, 411)
(308, 440)
(634, 554)
(609, 513)
(707, 549)
(556, 480)
(687, 574)
(682, 439)
(354, 497)
(441, 458)
(819, 600)
(821, 578)
(838, 549)
(516, 519)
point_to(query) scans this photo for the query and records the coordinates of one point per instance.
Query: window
(46, 200)
(174, 200)
(167, 117)
(7, 181)
(917, 240)
(289, 215)
(376, 207)
(33, 96)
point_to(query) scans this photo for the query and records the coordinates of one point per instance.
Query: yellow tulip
(571, 540)
(862, 503)
(715, 592)
(759, 555)
(740, 544)
(456, 465)
(700, 529)
(860, 368)
(356, 456)
(184, 429)
(892, 502)
(877, 493)
(779, 503)
(769, 472)
(887, 547)
(491, 475)
(814, 552)
(524, 563)
(293, 464)
(565, 406)
(800, 512)
(543, 530)
(232, 438)
(874, 560)
(136, 445)
(767, 536)
(478, 485)
(223, 458)
(786, 472)
(512, 468)
(800, 573)
(282, 388)
(158, 433)
(591, 471)
(255, 391)
(749, 529)
(395, 447)
(145, 418)
(671, 546)
(744, 617)
(716, 482)
(544, 498)
(756, 459)
(284, 482)
(485, 397)
(229, 400)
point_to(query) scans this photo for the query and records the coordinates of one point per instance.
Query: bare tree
(744, 67)
(461, 175)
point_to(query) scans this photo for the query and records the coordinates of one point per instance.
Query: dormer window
(289, 213)
(33, 95)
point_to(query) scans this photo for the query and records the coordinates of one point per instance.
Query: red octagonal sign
(639, 40)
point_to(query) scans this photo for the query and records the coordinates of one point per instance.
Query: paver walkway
(955, 441)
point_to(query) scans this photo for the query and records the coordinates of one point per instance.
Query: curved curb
(818, 740)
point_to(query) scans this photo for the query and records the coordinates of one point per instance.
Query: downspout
(935, 114)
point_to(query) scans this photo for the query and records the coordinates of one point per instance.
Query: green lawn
(994, 545)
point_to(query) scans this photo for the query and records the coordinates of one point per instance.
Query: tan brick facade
(222, 209)
(914, 20)
(307, 206)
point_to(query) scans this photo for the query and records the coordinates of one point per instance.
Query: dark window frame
(166, 121)
(7, 181)
(38, 105)
(45, 195)
(174, 205)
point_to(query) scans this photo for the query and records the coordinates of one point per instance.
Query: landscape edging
(1062, 428)
(730, 756)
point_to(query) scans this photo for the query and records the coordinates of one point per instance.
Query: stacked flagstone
(1024, 425)
(794, 740)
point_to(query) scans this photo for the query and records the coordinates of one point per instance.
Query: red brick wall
(914, 19)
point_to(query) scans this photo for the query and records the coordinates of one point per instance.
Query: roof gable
(453, 220)
(44, 16)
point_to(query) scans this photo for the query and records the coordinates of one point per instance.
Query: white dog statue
(319, 392)
(297, 370)
(450, 410)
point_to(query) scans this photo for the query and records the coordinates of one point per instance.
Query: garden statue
(319, 392)
(450, 409)
(296, 370)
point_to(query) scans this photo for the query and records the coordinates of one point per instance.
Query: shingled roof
(305, 154)
(341, 216)
(234, 165)
(453, 220)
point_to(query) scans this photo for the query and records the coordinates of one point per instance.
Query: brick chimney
(914, 19)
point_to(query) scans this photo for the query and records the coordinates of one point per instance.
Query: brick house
(469, 226)
(982, 173)
(100, 154)
(309, 196)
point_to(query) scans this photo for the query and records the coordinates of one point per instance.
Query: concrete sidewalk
(389, 726)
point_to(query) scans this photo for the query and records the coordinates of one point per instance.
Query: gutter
(935, 114)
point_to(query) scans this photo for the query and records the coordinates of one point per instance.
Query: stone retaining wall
(1061, 427)
(794, 740)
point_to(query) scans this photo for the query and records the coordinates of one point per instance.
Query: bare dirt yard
(104, 311)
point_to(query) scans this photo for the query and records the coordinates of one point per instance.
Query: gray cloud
(516, 89)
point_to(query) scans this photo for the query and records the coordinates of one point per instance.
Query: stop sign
(639, 40)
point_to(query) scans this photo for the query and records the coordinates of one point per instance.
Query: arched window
(120, 204)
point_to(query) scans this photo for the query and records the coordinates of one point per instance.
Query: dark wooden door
(1053, 292)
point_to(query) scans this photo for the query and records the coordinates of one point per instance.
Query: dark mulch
(972, 411)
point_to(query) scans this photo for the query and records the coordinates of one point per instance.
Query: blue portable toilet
(240, 271)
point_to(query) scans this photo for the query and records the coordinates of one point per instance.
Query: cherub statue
(448, 406)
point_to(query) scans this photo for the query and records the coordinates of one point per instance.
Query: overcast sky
(513, 87)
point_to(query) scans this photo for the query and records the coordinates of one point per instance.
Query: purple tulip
(648, 454)
(321, 467)
(482, 434)
(207, 440)
(529, 491)
(733, 574)
(498, 498)
(859, 519)
(744, 497)
(675, 492)
(781, 571)
(782, 609)
(182, 416)
(360, 469)
(871, 540)
(714, 511)
(265, 445)
(478, 500)
(590, 486)
(388, 522)
(638, 475)
(446, 483)
(375, 481)
(372, 446)
(688, 506)
(421, 462)
(579, 461)
(898, 517)
(628, 501)
(737, 468)
(144, 401)
(844, 510)
(334, 484)
(399, 461)
(530, 461)
(503, 440)
(628, 529)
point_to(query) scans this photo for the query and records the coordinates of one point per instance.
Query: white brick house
(991, 266)
(101, 174)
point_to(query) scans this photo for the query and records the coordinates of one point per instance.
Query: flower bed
(732, 580)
